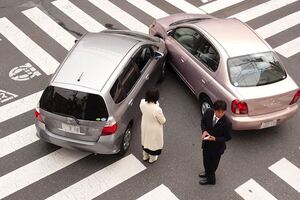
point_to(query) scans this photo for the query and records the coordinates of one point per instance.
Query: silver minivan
(92, 100)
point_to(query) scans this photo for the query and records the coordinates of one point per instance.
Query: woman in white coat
(152, 126)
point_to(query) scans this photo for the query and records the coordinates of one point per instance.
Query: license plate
(268, 124)
(71, 129)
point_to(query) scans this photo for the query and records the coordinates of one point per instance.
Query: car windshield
(255, 70)
(80, 105)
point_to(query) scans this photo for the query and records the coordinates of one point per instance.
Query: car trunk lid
(73, 114)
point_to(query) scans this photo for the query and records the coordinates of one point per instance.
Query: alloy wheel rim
(205, 106)
(127, 138)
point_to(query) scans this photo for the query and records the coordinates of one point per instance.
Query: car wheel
(205, 103)
(126, 140)
(162, 73)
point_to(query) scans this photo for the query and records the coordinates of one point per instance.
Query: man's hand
(211, 138)
(204, 134)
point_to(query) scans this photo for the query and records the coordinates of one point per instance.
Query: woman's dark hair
(220, 105)
(152, 95)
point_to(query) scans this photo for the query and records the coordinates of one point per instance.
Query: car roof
(94, 59)
(236, 37)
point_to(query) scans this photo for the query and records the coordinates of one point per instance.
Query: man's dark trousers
(211, 161)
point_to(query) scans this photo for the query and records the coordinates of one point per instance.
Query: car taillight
(110, 129)
(296, 97)
(239, 107)
(38, 115)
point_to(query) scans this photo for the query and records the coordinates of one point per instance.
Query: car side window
(198, 46)
(208, 55)
(125, 82)
(188, 38)
(143, 57)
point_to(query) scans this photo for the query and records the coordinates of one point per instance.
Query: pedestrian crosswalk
(114, 174)
(284, 169)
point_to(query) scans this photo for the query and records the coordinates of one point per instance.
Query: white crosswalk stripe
(120, 15)
(288, 172)
(262, 9)
(28, 47)
(279, 25)
(80, 17)
(38, 169)
(19, 106)
(290, 48)
(185, 6)
(219, 5)
(50, 27)
(101, 181)
(159, 193)
(251, 190)
(17, 140)
(149, 8)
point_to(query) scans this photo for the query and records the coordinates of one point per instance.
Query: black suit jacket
(221, 131)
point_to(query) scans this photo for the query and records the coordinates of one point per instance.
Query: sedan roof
(235, 36)
(94, 59)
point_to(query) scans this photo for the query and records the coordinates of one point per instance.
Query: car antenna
(80, 77)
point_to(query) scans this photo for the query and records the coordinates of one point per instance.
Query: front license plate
(268, 124)
(71, 129)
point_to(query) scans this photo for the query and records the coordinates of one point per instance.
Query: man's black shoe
(202, 175)
(206, 182)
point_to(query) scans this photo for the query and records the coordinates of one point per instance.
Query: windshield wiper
(65, 115)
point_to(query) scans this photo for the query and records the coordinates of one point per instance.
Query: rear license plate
(71, 129)
(269, 124)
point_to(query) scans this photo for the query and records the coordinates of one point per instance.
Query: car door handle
(182, 60)
(130, 103)
(147, 77)
(203, 81)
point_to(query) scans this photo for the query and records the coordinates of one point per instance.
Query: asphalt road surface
(35, 36)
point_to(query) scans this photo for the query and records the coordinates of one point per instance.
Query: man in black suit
(216, 130)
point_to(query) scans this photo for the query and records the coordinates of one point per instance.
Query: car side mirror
(158, 55)
(170, 32)
(75, 41)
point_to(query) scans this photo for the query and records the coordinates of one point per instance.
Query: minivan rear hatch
(73, 114)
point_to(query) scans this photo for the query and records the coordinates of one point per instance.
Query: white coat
(152, 125)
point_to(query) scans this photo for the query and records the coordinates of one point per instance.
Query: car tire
(205, 103)
(163, 72)
(126, 140)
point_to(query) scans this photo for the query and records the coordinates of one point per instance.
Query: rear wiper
(65, 115)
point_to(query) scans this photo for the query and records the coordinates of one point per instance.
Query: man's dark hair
(152, 95)
(220, 105)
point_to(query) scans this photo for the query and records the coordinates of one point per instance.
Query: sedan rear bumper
(105, 145)
(255, 122)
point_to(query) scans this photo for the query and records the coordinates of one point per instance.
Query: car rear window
(81, 105)
(255, 70)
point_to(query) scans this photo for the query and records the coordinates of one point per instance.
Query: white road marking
(28, 47)
(120, 15)
(219, 5)
(149, 8)
(101, 181)
(186, 6)
(251, 190)
(49, 26)
(38, 169)
(261, 9)
(160, 193)
(80, 17)
(6, 96)
(290, 48)
(288, 172)
(19, 106)
(279, 25)
(17, 140)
